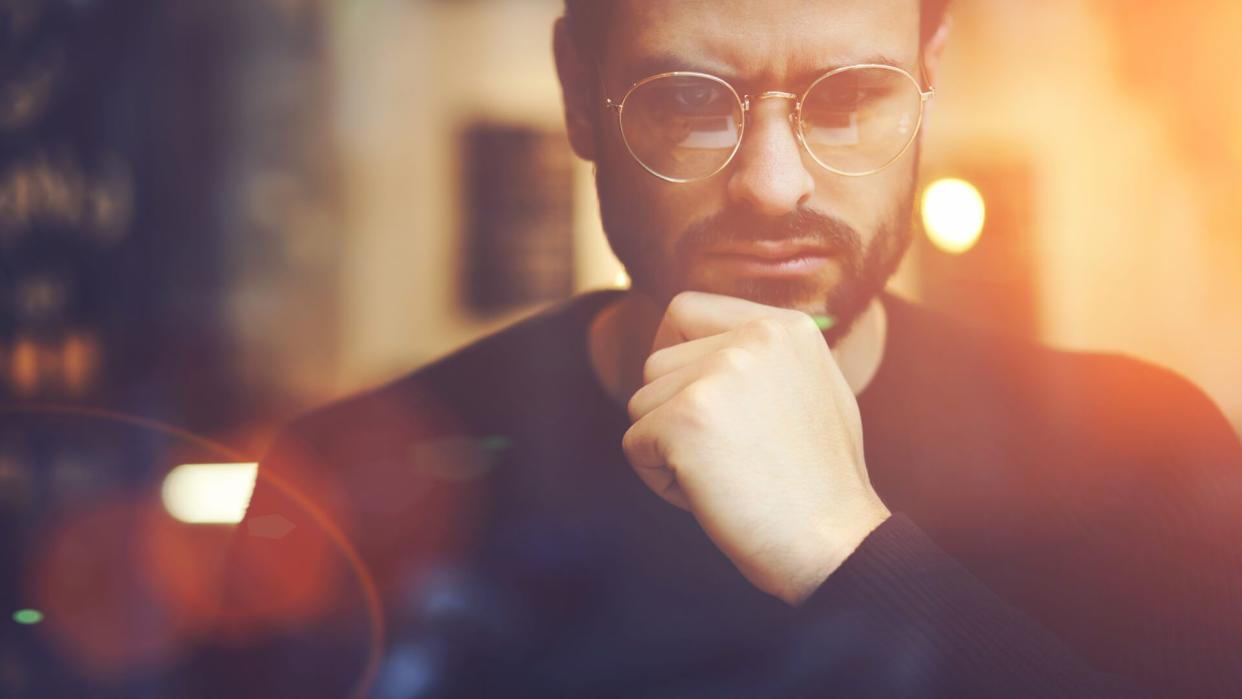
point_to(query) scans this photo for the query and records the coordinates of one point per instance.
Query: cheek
(866, 203)
(677, 207)
(650, 206)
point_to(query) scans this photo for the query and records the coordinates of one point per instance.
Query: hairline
(588, 26)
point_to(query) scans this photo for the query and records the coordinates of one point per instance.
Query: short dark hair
(588, 20)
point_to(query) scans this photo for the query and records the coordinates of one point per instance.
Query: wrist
(830, 548)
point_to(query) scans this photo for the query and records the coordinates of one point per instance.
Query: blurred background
(215, 215)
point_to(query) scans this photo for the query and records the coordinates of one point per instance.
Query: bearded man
(665, 492)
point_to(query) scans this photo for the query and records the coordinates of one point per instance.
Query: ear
(578, 89)
(933, 51)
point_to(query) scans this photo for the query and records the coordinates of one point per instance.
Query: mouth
(769, 257)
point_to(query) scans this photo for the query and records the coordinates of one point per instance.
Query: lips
(768, 258)
(770, 250)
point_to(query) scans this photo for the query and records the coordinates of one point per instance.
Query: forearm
(903, 618)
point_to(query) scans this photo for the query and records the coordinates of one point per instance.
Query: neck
(620, 337)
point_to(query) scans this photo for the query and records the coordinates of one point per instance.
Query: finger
(671, 493)
(695, 314)
(642, 447)
(670, 359)
(660, 391)
(727, 359)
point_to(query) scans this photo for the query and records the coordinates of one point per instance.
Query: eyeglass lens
(686, 127)
(682, 126)
(859, 120)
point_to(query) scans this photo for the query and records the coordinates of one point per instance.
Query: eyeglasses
(854, 121)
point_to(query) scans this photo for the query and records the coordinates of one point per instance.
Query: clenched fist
(745, 420)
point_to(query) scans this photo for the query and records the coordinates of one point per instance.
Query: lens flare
(90, 602)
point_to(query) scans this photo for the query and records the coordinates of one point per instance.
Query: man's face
(672, 237)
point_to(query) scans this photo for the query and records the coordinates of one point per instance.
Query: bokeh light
(953, 215)
(79, 361)
(28, 617)
(24, 367)
(209, 493)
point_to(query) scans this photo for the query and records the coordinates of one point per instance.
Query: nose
(769, 174)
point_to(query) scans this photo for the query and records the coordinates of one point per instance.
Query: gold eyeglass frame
(795, 116)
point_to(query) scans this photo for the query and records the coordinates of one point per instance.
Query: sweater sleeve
(903, 618)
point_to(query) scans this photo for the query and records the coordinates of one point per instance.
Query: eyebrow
(655, 64)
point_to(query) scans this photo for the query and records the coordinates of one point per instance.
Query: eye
(696, 96)
(856, 91)
(692, 98)
(844, 98)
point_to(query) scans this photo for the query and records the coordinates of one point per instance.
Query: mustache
(803, 225)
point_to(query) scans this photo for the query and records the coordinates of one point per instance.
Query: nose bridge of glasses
(776, 95)
(750, 100)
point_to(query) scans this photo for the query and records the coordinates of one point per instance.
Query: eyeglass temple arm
(599, 81)
(930, 92)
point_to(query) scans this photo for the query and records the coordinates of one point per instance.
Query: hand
(746, 421)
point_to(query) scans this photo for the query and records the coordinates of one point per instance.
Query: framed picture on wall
(518, 217)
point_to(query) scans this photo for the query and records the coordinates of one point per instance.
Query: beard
(661, 273)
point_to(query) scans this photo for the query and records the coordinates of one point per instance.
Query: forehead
(776, 40)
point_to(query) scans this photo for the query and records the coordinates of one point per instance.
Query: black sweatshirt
(1064, 525)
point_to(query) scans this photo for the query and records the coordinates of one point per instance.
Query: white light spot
(209, 493)
(953, 215)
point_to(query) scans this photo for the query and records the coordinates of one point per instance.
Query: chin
(809, 293)
(806, 297)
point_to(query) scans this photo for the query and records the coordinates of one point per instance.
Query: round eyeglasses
(854, 121)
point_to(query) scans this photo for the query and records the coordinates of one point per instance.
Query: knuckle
(632, 407)
(732, 359)
(680, 304)
(694, 402)
(804, 325)
(652, 368)
(629, 441)
(765, 330)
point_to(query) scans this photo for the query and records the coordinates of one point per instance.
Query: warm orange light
(79, 357)
(953, 215)
(209, 493)
(24, 366)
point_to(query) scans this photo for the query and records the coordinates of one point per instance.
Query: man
(665, 491)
